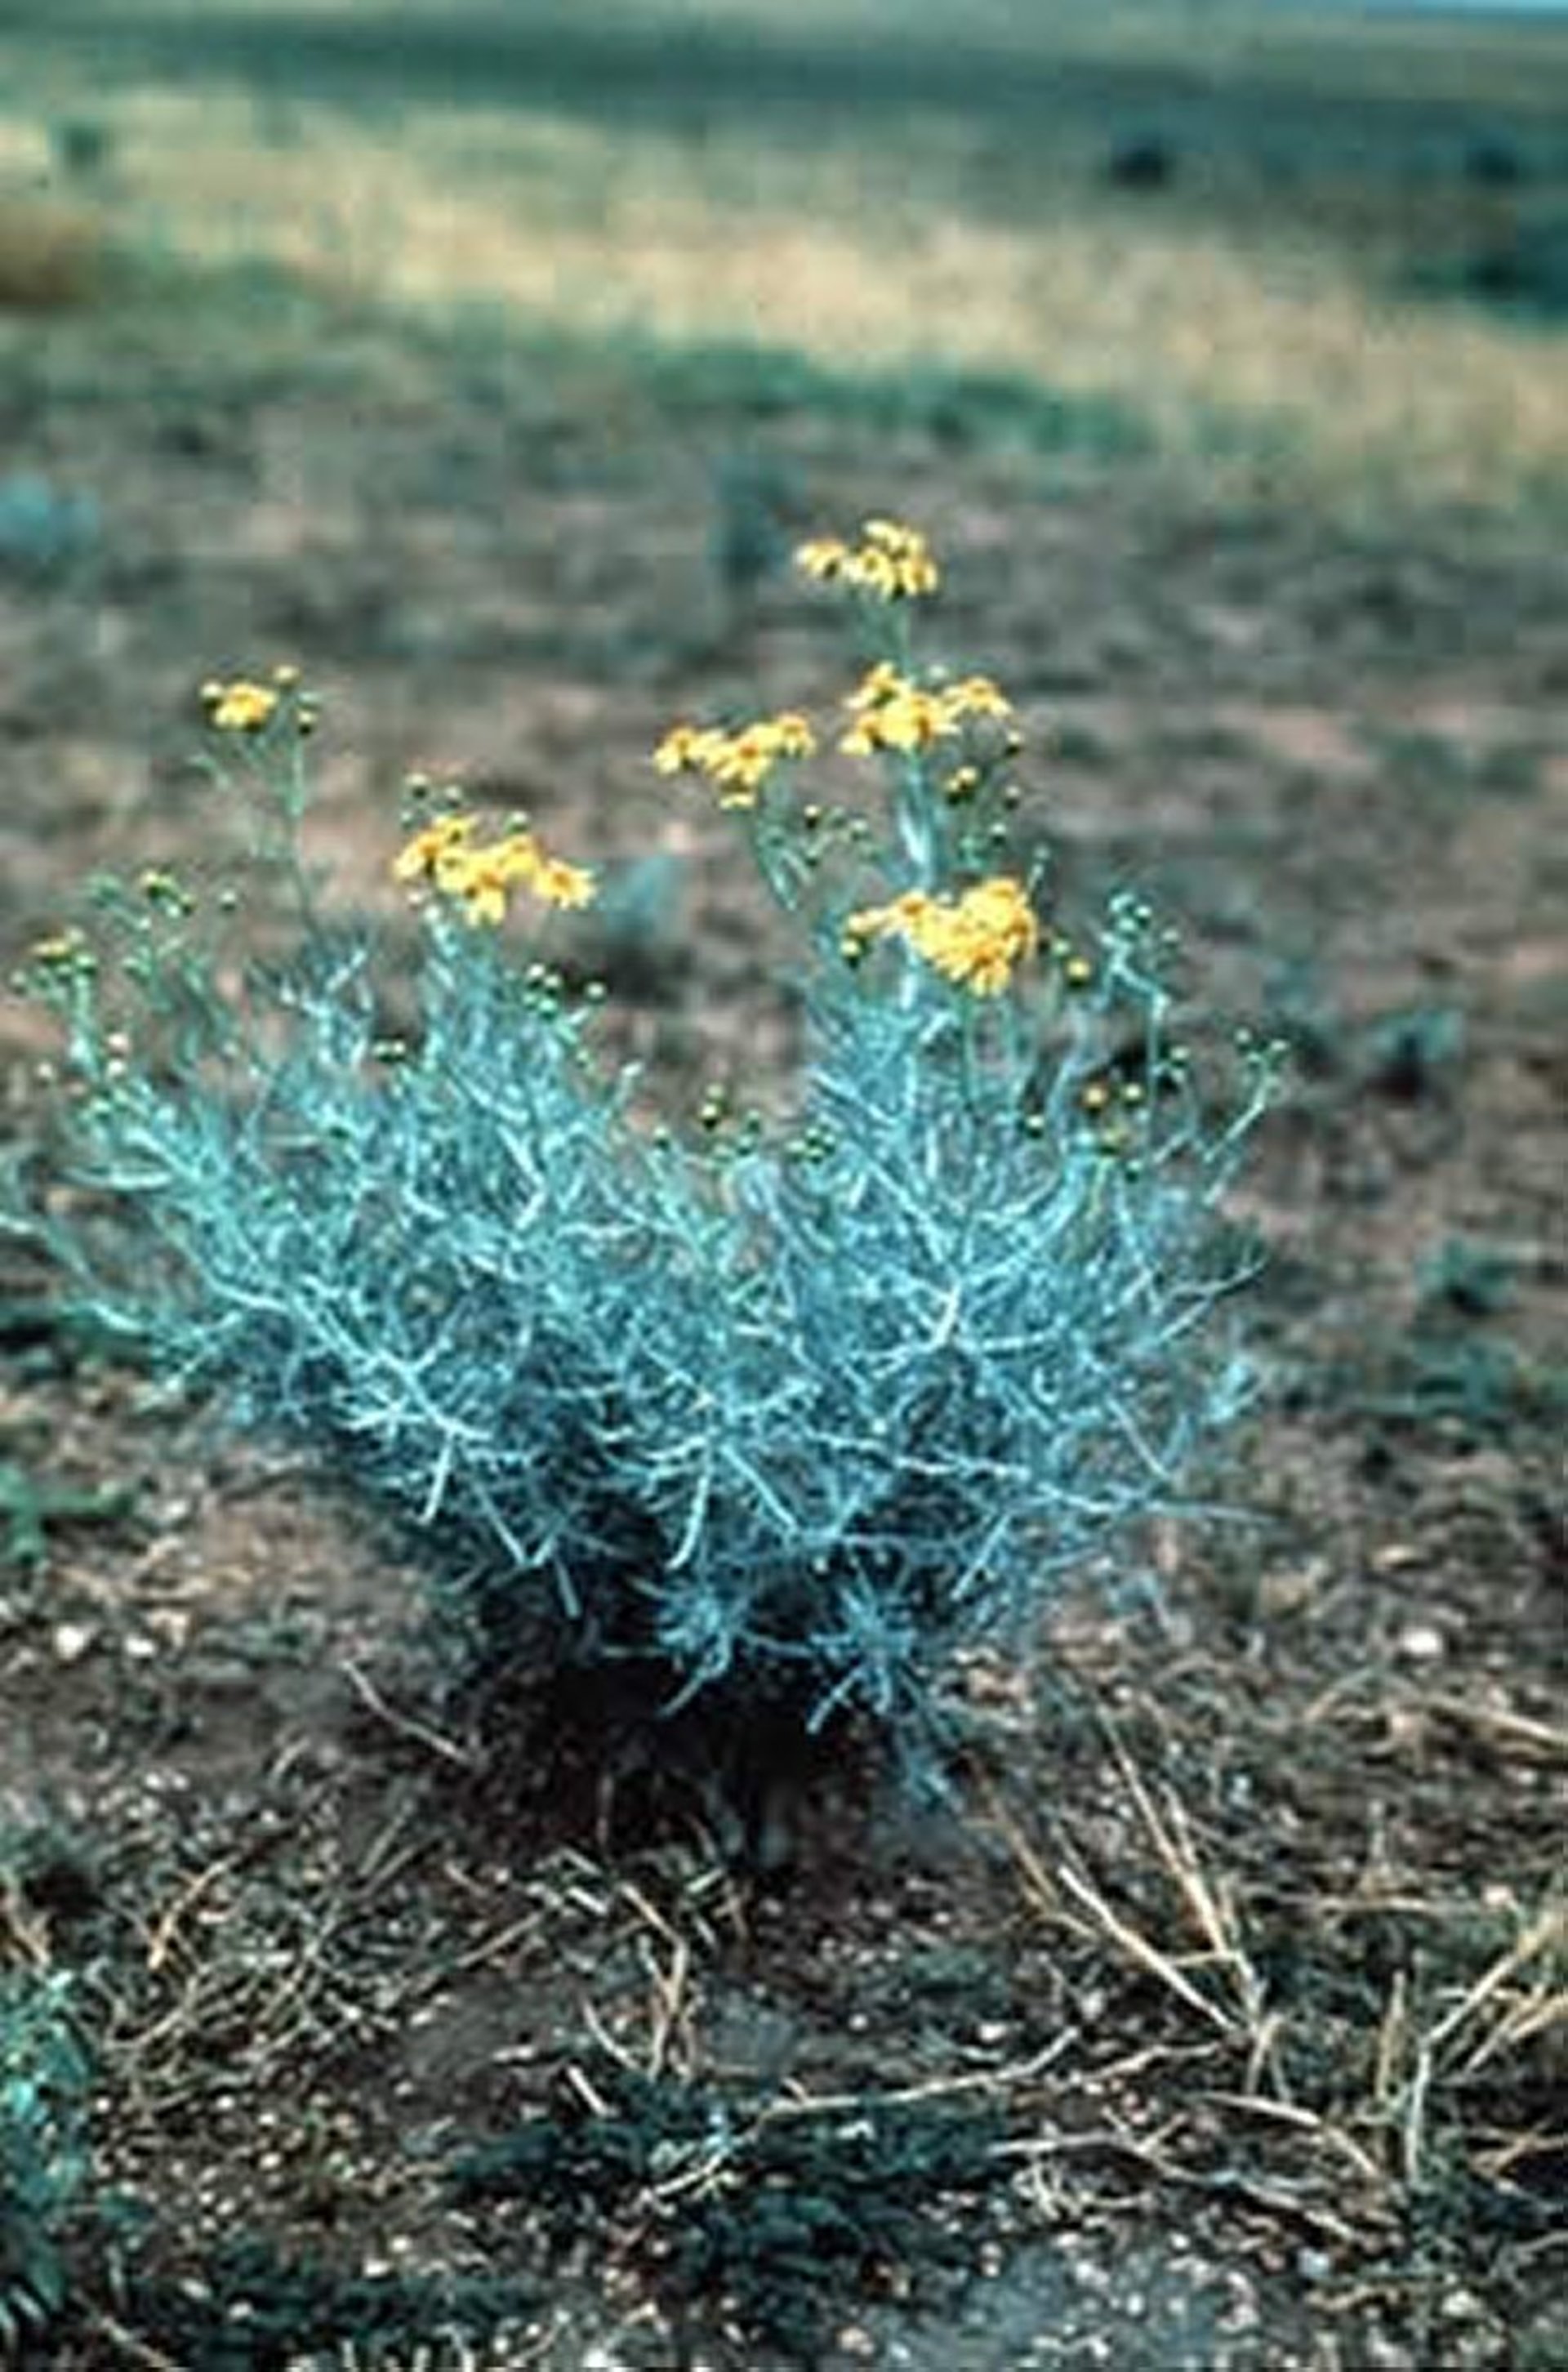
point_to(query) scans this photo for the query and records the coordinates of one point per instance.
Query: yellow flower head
(434, 847)
(892, 712)
(686, 748)
(560, 884)
(891, 561)
(824, 557)
(240, 706)
(976, 939)
(879, 685)
(740, 764)
(482, 878)
(896, 920)
(976, 695)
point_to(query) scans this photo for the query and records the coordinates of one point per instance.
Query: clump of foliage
(31, 1507)
(253, 2310)
(44, 2077)
(1466, 1279)
(782, 1414)
(780, 2214)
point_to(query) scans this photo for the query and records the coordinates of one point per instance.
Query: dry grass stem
(165, 1928)
(1064, 1888)
(28, 1931)
(1547, 1933)
(1137, 1948)
(1500, 1723)
(1210, 1910)
(1009, 2080)
(128, 2348)
(1333, 2137)
(422, 1732)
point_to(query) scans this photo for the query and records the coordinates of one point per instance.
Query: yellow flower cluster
(479, 879)
(739, 763)
(890, 712)
(891, 561)
(242, 706)
(976, 939)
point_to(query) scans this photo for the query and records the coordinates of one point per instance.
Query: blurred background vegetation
(1325, 251)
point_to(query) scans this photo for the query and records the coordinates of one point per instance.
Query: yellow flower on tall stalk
(977, 939)
(891, 561)
(741, 763)
(482, 879)
(240, 706)
(892, 712)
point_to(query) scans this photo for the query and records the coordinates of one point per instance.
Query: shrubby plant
(777, 1415)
